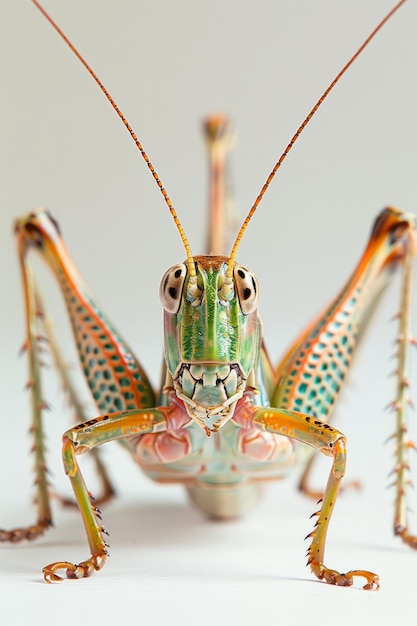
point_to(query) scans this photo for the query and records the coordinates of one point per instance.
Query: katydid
(225, 419)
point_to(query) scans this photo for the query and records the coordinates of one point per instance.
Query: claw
(73, 571)
(333, 577)
(373, 579)
(49, 571)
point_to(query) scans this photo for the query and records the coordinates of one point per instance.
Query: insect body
(225, 419)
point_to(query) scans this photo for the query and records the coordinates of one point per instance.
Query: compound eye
(172, 284)
(247, 289)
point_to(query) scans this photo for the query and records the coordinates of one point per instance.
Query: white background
(168, 64)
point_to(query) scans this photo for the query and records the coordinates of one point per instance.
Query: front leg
(78, 440)
(330, 442)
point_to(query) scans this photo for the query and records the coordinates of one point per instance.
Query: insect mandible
(222, 403)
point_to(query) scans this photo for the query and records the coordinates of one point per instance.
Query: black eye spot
(246, 289)
(171, 287)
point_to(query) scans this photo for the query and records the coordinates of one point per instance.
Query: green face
(212, 337)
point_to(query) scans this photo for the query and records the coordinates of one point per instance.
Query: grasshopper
(224, 420)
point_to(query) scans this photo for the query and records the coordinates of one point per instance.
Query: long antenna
(190, 260)
(298, 132)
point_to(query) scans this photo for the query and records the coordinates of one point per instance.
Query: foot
(72, 571)
(333, 577)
